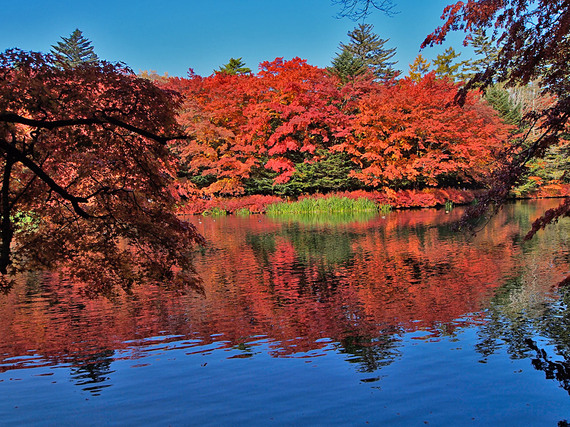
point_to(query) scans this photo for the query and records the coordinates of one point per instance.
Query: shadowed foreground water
(309, 320)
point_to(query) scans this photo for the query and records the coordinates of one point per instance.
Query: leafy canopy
(294, 128)
(88, 175)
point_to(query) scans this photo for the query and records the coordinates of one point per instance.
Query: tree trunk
(6, 229)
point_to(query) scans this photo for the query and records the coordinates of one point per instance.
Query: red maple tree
(412, 134)
(398, 134)
(87, 174)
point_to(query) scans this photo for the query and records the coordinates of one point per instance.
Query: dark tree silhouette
(87, 174)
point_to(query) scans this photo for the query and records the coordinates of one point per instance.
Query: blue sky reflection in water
(390, 320)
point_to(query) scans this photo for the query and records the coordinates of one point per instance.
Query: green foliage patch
(322, 205)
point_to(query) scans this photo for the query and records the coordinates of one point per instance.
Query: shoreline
(383, 200)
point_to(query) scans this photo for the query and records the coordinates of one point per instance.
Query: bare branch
(360, 9)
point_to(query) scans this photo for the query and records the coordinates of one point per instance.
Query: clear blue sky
(174, 35)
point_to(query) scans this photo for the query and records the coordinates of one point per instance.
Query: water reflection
(531, 324)
(92, 374)
(304, 282)
(300, 284)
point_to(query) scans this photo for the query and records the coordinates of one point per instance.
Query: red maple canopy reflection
(291, 283)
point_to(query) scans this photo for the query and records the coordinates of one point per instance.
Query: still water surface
(349, 320)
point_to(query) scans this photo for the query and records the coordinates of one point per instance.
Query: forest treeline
(294, 129)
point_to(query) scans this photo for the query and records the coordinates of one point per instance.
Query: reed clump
(215, 211)
(322, 205)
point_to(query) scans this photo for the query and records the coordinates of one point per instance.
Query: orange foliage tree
(412, 134)
(297, 114)
(399, 134)
(213, 113)
(272, 120)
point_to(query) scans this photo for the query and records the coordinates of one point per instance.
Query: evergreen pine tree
(234, 66)
(73, 51)
(419, 68)
(445, 66)
(347, 66)
(369, 48)
(500, 100)
(486, 51)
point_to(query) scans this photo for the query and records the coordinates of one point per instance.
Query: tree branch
(7, 230)
(30, 164)
(9, 117)
(360, 9)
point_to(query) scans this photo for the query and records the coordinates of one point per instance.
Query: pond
(336, 320)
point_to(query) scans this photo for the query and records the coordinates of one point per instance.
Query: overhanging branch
(9, 117)
(18, 156)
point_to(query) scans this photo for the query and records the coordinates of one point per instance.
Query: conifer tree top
(73, 51)
(233, 67)
(369, 48)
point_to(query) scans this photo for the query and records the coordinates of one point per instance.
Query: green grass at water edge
(242, 212)
(215, 212)
(325, 218)
(385, 209)
(322, 205)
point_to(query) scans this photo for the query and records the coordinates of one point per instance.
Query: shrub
(215, 211)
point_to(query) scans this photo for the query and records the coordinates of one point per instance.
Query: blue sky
(174, 35)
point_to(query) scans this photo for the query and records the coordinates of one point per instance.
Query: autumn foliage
(292, 124)
(412, 134)
(88, 179)
(96, 160)
(533, 45)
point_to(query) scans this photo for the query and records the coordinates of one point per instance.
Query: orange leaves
(414, 133)
(403, 134)
(286, 112)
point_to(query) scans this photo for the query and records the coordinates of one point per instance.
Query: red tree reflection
(288, 282)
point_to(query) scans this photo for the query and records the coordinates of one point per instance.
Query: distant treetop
(234, 66)
(367, 48)
(73, 51)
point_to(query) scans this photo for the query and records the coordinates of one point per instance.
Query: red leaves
(399, 134)
(286, 110)
(414, 132)
(85, 150)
